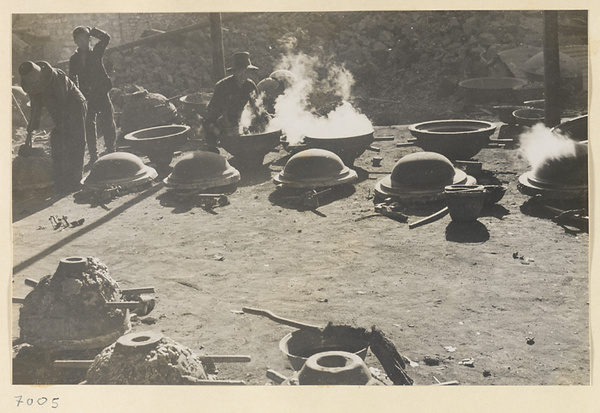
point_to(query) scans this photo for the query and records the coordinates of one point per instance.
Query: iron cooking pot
(346, 147)
(299, 345)
(250, 149)
(455, 138)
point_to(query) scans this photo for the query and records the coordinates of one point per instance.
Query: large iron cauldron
(455, 138)
(249, 150)
(576, 128)
(492, 89)
(346, 147)
(159, 142)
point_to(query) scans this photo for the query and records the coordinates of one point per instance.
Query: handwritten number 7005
(40, 401)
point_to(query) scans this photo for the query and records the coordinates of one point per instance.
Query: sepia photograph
(299, 198)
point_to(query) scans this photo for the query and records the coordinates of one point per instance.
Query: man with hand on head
(86, 69)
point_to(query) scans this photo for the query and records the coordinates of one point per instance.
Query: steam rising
(316, 104)
(540, 145)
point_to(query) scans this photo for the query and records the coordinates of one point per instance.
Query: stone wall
(49, 36)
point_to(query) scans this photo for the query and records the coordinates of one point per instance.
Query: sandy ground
(441, 292)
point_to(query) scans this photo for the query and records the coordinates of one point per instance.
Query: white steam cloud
(316, 104)
(540, 145)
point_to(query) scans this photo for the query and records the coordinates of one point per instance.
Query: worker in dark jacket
(51, 88)
(87, 70)
(228, 101)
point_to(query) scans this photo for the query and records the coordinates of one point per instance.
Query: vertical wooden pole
(552, 81)
(218, 55)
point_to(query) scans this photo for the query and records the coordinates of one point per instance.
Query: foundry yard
(319, 229)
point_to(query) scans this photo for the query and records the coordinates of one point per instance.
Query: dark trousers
(100, 116)
(67, 143)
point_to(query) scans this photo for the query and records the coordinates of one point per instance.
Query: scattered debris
(146, 306)
(391, 210)
(469, 362)
(431, 361)
(524, 260)
(450, 349)
(380, 376)
(445, 383)
(62, 222)
(312, 199)
(149, 320)
(574, 220)
(412, 363)
(188, 284)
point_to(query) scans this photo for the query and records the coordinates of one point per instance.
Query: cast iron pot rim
(489, 127)
(254, 135)
(570, 122)
(130, 136)
(339, 137)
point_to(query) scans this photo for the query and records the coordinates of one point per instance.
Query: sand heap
(146, 358)
(68, 311)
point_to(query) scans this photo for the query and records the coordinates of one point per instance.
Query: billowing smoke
(541, 145)
(316, 103)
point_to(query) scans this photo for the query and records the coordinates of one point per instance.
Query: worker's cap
(241, 61)
(81, 30)
(33, 76)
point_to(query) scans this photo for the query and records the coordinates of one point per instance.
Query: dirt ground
(442, 292)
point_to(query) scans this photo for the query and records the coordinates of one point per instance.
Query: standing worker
(87, 70)
(51, 88)
(228, 101)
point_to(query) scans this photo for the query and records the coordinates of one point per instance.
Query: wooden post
(218, 55)
(552, 80)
